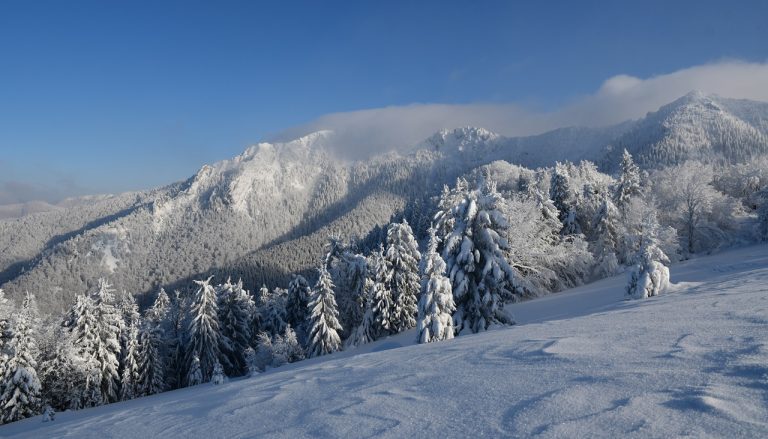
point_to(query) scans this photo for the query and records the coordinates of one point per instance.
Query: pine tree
(403, 259)
(131, 372)
(481, 277)
(273, 314)
(250, 362)
(5, 334)
(20, 397)
(218, 377)
(762, 215)
(235, 311)
(160, 307)
(562, 197)
(650, 276)
(606, 230)
(436, 304)
(324, 325)
(382, 305)
(628, 186)
(195, 374)
(365, 332)
(204, 331)
(150, 361)
(296, 306)
(108, 329)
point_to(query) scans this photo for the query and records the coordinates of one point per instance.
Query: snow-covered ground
(583, 363)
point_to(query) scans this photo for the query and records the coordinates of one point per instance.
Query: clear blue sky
(116, 95)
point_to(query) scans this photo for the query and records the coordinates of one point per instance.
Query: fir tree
(195, 374)
(218, 377)
(365, 332)
(606, 230)
(324, 325)
(403, 259)
(235, 311)
(151, 364)
(251, 362)
(131, 372)
(562, 197)
(158, 313)
(628, 186)
(204, 331)
(762, 215)
(650, 276)
(20, 397)
(382, 305)
(108, 329)
(481, 277)
(273, 314)
(436, 304)
(296, 306)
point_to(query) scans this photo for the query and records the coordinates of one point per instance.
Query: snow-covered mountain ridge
(582, 363)
(267, 212)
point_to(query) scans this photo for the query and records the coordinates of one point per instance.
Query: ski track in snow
(582, 363)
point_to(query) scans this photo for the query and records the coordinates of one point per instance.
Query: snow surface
(582, 363)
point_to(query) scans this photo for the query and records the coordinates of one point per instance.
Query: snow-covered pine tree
(160, 307)
(195, 374)
(382, 305)
(218, 377)
(296, 305)
(151, 362)
(606, 230)
(403, 259)
(131, 372)
(628, 186)
(174, 343)
(352, 272)
(264, 350)
(235, 311)
(562, 197)
(5, 334)
(324, 325)
(251, 362)
(481, 277)
(364, 332)
(20, 396)
(273, 314)
(293, 350)
(762, 215)
(204, 331)
(650, 276)
(96, 324)
(436, 305)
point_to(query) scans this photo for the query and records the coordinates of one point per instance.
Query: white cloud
(621, 97)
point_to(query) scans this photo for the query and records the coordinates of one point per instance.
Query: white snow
(582, 363)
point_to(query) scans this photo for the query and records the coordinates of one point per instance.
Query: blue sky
(108, 96)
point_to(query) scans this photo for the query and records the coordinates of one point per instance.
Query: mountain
(268, 212)
(581, 363)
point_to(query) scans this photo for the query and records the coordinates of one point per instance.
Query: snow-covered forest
(446, 265)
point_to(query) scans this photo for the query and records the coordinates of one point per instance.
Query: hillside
(267, 212)
(584, 362)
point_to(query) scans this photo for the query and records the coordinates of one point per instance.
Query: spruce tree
(365, 332)
(20, 397)
(606, 231)
(251, 362)
(131, 372)
(195, 374)
(649, 277)
(235, 311)
(108, 329)
(218, 376)
(150, 361)
(436, 305)
(204, 331)
(474, 252)
(382, 305)
(324, 325)
(403, 259)
(762, 215)
(560, 193)
(628, 186)
(296, 306)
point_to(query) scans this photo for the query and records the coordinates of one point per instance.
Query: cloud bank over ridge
(362, 133)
